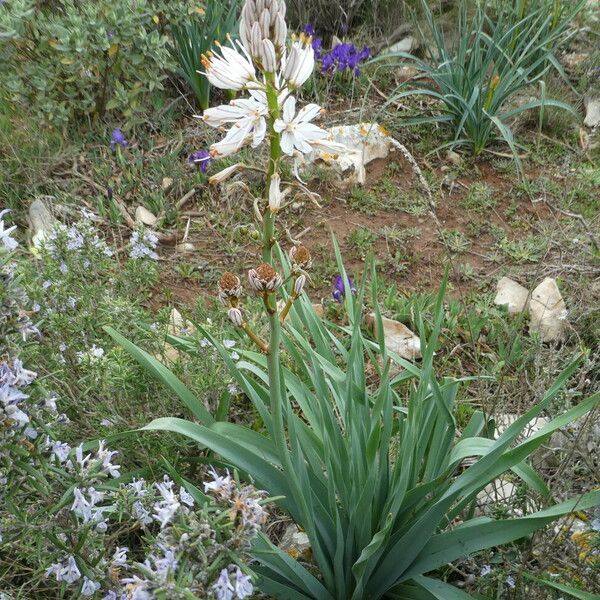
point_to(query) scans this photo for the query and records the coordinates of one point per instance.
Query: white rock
(185, 247)
(295, 543)
(41, 222)
(511, 294)
(505, 420)
(167, 182)
(398, 337)
(404, 45)
(144, 216)
(592, 115)
(364, 142)
(548, 311)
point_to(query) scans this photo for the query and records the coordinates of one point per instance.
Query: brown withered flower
(264, 278)
(230, 288)
(300, 257)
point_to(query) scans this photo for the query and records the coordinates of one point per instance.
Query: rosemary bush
(72, 524)
(373, 470)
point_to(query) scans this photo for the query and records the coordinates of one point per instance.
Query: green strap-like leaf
(441, 590)
(463, 541)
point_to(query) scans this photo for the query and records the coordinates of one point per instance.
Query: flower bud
(263, 20)
(300, 62)
(235, 316)
(255, 39)
(268, 57)
(279, 32)
(275, 195)
(299, 284)
(265, 23)
(224, 174)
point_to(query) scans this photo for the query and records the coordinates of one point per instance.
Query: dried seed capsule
(300, 257)
(264, 278)
(230, 287)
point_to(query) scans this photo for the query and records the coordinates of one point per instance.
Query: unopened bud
(255, 39)
(265, 23)
(235, 316)
(268, 57)
(279, 32)
(224, 174)
(299, 284)
(255, 234)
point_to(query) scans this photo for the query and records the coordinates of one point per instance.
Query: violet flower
(316, 42)
(118, 139)
(202, 159)
(339, 289)
(344, 56)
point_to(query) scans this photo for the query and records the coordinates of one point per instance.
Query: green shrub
(83, 58)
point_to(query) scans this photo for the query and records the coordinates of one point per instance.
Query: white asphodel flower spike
(299, 62)
(297, 132)
(232, 70)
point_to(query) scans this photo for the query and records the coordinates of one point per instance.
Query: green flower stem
(274, 372)
(275, 139)
(273, 354)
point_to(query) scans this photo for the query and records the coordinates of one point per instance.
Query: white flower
(510, 581)
(232, 70)
(299, 63)
(296, 129)
(9, 243)
(249, 124)
(276, 196)
(226, 173)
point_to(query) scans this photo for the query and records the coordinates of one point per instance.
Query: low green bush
(84, 58)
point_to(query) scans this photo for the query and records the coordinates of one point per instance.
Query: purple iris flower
(339, 289)
(316, 41)
(110, 34)
(118, 139)
(201, 158)
(344, 56)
